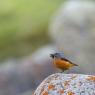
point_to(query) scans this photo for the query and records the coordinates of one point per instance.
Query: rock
(19, 76)
(73, 30)
(67, 84)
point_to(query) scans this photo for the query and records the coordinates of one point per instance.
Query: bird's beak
(52, 55)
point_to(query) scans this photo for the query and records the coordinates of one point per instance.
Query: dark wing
(69, 61)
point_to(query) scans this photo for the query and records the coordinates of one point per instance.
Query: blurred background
(30, 30)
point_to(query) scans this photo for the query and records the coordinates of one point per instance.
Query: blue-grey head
(57, 55)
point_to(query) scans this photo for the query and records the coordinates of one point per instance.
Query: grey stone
(73, 30)
(67, 84)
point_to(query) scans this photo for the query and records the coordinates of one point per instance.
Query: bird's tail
(74, 64)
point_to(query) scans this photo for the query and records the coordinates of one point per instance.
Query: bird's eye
(52, 55)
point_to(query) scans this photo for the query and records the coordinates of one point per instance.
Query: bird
(61, 62)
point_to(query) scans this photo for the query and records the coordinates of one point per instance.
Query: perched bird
(61, 62)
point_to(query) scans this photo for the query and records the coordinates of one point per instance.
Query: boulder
(67, 84)
(73, 30)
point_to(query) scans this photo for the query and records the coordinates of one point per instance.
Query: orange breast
(65, 65)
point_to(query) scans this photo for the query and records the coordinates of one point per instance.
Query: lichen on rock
(67, 84)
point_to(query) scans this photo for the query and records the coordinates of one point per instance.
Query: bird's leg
(62, 71)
